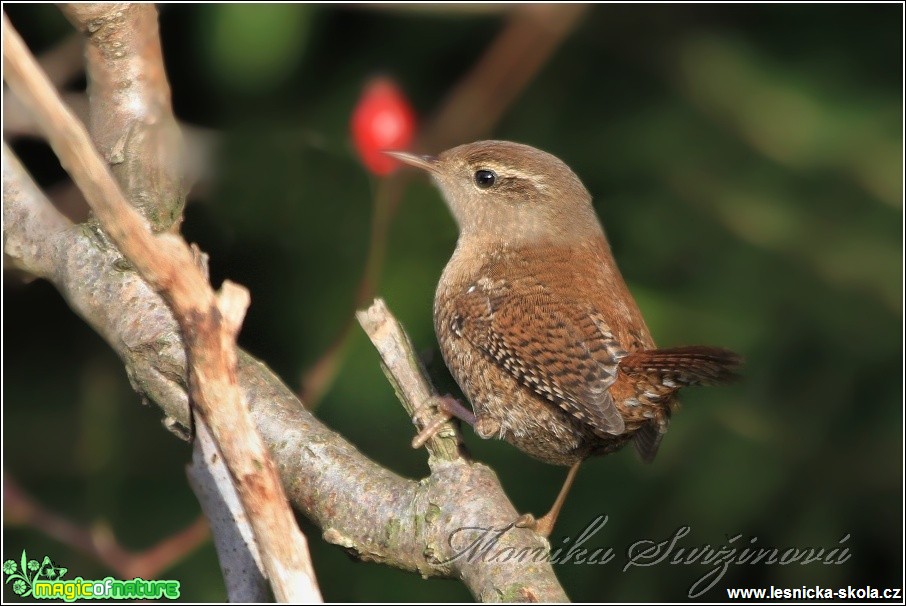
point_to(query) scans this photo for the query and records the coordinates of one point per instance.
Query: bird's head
(509, 192)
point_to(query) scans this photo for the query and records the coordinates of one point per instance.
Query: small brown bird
(535, 321)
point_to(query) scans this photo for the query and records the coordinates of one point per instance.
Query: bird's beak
(428, 163)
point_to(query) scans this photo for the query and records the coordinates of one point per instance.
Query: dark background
(746, 163)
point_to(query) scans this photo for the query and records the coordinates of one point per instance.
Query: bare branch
(40, 224)
(234, 539)
(209, 324)
(405, 372)
(94, 279)
(63, 63)
(442, 9)
(131, 117)
(199, 143)
(518, 53)
(18, 121)
(99, 542)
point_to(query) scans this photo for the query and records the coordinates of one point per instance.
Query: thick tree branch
(130, 115)
(209, 325)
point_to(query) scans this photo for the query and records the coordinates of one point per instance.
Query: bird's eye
(485, 178)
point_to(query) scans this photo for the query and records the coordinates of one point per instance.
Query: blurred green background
(746, 162)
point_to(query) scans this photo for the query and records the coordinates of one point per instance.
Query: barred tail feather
(684, 366)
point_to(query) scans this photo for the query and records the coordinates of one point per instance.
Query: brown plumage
(535, 321)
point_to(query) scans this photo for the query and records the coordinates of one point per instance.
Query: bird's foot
(448, 408)
(543, 525)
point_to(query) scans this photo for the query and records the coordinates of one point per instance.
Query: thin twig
(64, 62)
(443, 9)
(18, 121)
(98, 542)
(200, 143)
(234, 539)
(209, 325)
(513, 59)
(405, 372)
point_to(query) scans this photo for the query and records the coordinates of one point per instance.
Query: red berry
(382, 120)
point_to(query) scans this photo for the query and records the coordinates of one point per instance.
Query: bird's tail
(684, 366)
(663, 371)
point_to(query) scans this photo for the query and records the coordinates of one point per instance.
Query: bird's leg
(448, 407)
(545, 524)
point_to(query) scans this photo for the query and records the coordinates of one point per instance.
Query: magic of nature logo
(43, 579)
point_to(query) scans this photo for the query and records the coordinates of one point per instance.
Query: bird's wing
(554, 346)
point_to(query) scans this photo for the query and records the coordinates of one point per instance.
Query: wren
(535, 322)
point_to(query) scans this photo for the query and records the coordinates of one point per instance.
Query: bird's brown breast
(533, 336)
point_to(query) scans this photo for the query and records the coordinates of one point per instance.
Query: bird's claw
(431, 429)
(447, 408)
(543, 525)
